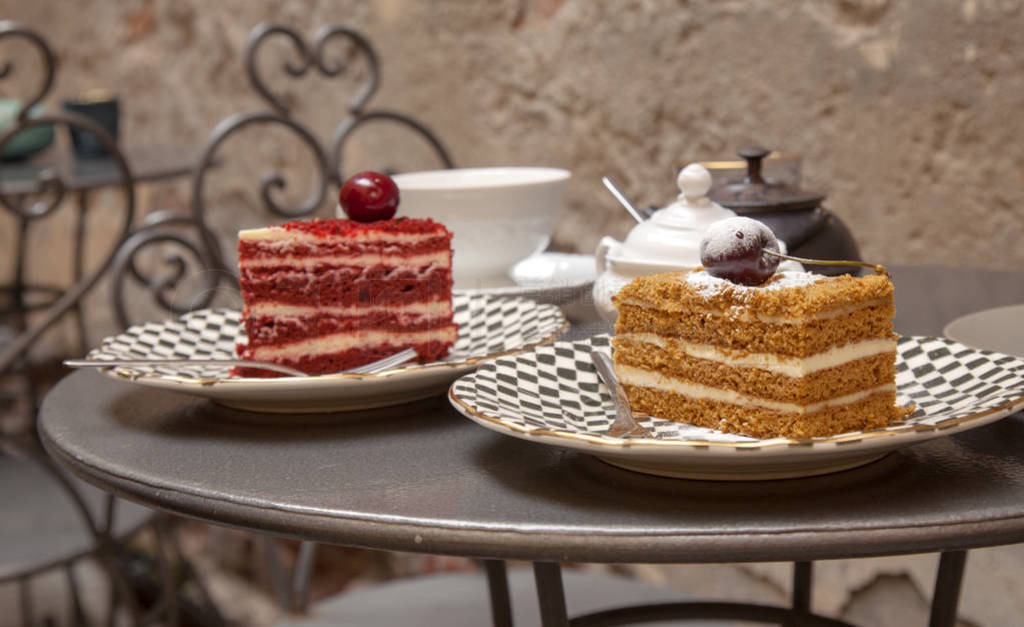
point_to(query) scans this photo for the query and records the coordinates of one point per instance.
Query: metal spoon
(625, 426)
(622, 199)
(375, 366)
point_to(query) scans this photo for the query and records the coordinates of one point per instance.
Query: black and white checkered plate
(489, 326)
(552, 394)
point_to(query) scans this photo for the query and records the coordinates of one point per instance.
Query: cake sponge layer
(873, 412)
(823, 384)
(792, 339)
(344, 350)
(337, 287)
(785, 295)
(325, 363)
(271, 331)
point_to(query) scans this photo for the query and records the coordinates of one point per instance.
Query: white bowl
(497, 216)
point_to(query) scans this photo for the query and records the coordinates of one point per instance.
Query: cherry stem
(831, 262)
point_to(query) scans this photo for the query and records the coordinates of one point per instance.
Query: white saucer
(547, 269)
(563, 279)
(1000, 330)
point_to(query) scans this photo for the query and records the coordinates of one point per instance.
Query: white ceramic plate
(1000, 329)
(488, 327)
(552, 395)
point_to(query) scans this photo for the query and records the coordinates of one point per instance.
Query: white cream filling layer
(356, 339)
(742, 314)
(430, 310)
(790, 366)
(639, 377)
(282, 237)
(400, 262)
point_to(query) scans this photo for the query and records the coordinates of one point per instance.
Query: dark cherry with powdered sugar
(369, 196)
(733, 249)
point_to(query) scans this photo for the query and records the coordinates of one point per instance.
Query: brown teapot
(795, 216)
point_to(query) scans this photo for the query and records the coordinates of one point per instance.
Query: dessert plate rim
(854, 447)
(334, 392)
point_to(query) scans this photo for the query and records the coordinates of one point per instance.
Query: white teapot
(669, 240)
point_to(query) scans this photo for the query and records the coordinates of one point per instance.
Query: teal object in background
(27, 142)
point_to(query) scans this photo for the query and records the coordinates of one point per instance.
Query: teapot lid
(671, 236)
(757, 194)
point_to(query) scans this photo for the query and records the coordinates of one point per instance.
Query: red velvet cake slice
(326, 295)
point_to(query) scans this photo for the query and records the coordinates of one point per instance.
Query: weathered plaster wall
(907, 113)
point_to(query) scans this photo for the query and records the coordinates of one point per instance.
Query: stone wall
(904, 112)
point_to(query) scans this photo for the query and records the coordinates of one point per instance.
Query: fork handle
(128, 363)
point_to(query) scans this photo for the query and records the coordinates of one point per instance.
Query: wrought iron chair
(29, 310)
(201, 247)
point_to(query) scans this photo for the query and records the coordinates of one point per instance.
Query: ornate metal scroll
(169, 229)
(303, 58)
(345, 130)
(50, 184)
(309, 57)
(270, 181)
(359, 115)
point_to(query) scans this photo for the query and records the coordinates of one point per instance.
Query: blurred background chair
(166, 264)
(53, 522)
(185, 261)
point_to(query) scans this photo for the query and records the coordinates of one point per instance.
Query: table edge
(546, 545)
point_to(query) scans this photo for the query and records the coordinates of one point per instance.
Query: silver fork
(385, 363)
(625, 426)
(380, 365)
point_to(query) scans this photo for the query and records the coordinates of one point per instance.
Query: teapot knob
(754, 157)
(694, 182)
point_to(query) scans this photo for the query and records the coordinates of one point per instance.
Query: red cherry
(732, 249)
(368, 197)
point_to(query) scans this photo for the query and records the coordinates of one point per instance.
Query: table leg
(25, 600)
(550, 594)
(77, 611)
(19, 308)
(276, 571)
(79, 266)
(302, 573)
(946, 595)
(497, 585)
(802, 574)
(18, 286)
(171, 612)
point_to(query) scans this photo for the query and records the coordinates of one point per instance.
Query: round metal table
(419, 477)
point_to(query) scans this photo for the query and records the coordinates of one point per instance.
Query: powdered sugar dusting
(708, 286)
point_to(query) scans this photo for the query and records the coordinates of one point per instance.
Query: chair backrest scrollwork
(197, 249)
(49, 191)
(328, 160)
